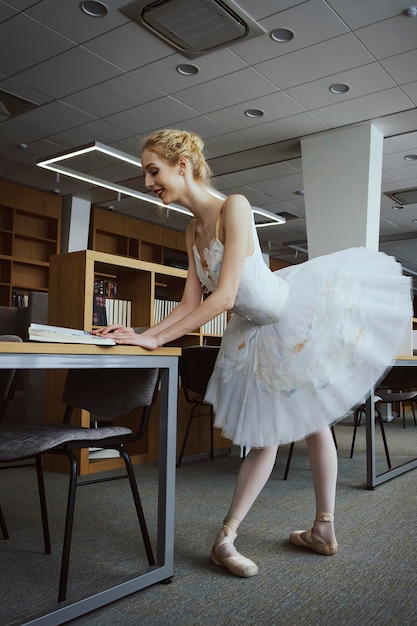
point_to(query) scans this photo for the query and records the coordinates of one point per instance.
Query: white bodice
(261, 296)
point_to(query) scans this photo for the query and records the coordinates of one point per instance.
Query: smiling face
(162, 178)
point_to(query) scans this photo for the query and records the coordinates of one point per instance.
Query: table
(64, 356)
(402, 375)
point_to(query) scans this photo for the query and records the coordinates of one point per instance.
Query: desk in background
(66, 356)
(402, 375)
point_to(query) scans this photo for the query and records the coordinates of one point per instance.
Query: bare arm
(192, 313)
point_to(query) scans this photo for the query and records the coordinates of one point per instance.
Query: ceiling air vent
(194, 27)
(404, 196)
(11, 105)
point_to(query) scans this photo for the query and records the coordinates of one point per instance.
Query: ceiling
(76, 79)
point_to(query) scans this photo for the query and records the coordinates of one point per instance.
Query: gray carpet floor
(371, 581)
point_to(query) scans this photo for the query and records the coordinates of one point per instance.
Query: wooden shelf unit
(30, 233)
(136, 239)
(72, 279)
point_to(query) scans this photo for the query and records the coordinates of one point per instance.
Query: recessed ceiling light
(397, 207)
(410, 157)
(254, 113)
(94, 8)
(282, 35)
(186, 69)
(339, 88)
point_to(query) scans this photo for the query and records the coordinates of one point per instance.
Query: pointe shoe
(237, 564)
(312, 541)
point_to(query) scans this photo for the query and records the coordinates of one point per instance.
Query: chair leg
(287, 467)
(211, 435)
(356, 421)
(3, 526)
(44, 510)
(187, 431)
(334, 436)
(138, 505)
(384, 439)
(69, 521)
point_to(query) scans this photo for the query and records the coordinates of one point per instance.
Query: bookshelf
(72, 278)
(126, 236)
(30, 233)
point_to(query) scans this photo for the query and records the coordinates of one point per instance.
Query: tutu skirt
(344, 320)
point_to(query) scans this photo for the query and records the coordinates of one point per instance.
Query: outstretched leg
(253, 474)
(323, 461)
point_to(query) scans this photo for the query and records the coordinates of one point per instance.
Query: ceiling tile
(357, 13)
(227, 143)
(404, 173)
(275, 106)
(322, 59)
(282, 188)
(44, 44)
(411, 91)
(24, 91)
(389, 37)
(279, 130)
(239, 86)
(361, 80)
(67, 18)
(262, 8)
(61, 75)
(163, 75)
(402, 67)
(160, 113)
(311, 21)
(204, 127)
(259, 174)
(365, 107)
(6, 11)
(48, 119)
(12, 137)
(129, 47)
(395, 160)
(96, 130)
(117, 94)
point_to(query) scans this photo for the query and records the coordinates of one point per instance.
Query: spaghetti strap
(218, 225)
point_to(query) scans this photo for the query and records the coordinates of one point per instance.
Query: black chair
(358, 414)
(291, 450)
(399, 381)
(107, 393)
(9, 380)
(196, 365)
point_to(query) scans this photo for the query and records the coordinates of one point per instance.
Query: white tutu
(340, 329)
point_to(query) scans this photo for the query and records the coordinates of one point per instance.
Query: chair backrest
(110, 392)
(196, 365)
(8, 381)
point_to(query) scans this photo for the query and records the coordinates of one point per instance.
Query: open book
(58, 334)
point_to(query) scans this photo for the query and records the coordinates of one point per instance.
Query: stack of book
(162, 308)
(107, 309)
(216, 326)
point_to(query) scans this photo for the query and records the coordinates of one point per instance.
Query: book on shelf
(216, 326)
(60, 334)
(118, 311)
(162, 308)
(103, 453)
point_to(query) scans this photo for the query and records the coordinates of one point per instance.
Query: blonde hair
(171, 145)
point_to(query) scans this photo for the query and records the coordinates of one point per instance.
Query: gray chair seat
(22, 441)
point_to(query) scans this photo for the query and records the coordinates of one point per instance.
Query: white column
(75, 224)
(342, 185)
